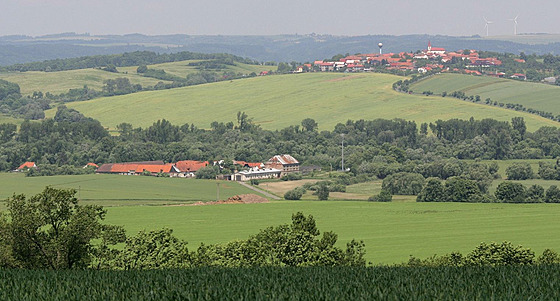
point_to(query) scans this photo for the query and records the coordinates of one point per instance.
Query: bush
(255, 182)
(432, 192)
(552, 195)
(322, 191)
(510, 192)
(535, 193)
(292, 176)
(462, 190)
(404, 183)
(295, 194)
(520, 171)
(383, 196)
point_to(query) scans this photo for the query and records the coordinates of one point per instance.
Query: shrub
(292, 176)
(510, 192)
(462, 190)
(255, 182)
(520, 171)
(295, 194)
(432, 192)
(552, 195)
(383, 196)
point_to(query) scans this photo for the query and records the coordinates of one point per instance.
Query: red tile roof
(190, 165)
(92, 164)
(27, 165)
(283, 159)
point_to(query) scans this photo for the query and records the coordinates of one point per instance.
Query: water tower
(380, 48)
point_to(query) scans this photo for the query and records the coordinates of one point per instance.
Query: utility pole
(342, 152)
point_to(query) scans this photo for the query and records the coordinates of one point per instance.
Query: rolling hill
(276, 102)
(62, 81)
(530, 95)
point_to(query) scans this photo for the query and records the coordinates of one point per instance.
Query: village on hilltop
(432, 59)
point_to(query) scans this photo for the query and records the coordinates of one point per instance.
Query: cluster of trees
(488, 254)
(51, 230)
(128, 59)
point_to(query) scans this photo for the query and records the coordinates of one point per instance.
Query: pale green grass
(122, 190)
(182, 68)
(391, 231)
(276, 102)
(531, 95)
(62, 81)
(9, 119)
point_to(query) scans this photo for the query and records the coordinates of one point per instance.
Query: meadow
(117, 190)
(62, 81)
(288, 99)
(531, 95)
(391, 231)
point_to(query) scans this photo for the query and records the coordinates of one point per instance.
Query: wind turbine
(486, 26)
(514, 24)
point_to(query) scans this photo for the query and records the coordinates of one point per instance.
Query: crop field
(117, 190)
(327, 98)
(182, 68)
(317, 283)
(62, 81)
(392, 231)
(531, 95)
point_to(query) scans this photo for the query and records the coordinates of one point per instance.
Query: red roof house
(26, 165)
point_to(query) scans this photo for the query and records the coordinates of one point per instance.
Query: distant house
(257, 174)
(91, 165)
(519, 76)
(25, 166)
(263, 73)
(550, 80)
(188, 168)
(285, 163)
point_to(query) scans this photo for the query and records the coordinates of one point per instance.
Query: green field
(62, 81)
(115, 190)
(392, 231)
(531, 95)
(288, 99)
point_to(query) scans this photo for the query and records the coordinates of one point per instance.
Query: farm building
(138, 168)
(285, 163)
(188, 168)
(257, 174)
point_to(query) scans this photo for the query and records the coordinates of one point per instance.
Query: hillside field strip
(117, 190)
(391, 231)
(62, 81)
(182, 68)
(288, 99)
(531, 95)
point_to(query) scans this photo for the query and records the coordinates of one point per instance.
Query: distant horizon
(277, 34)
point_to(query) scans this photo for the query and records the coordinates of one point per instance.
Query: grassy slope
(9, 119)
(62, 81)
(122, 190)
(531, 95)
(391, 231)
(279, 101)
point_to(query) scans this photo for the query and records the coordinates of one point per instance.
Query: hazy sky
(228, 17)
